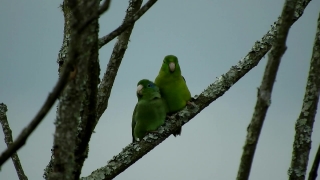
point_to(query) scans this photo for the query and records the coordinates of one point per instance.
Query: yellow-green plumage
(172, 85)
(150, 111)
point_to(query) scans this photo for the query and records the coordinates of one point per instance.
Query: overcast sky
(209, 37)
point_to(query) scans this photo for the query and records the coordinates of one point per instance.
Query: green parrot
(173, 86)
(150, 111)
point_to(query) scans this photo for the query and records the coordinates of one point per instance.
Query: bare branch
(126, 24)
(265, 90)
(8, 140)
(115, 59)
(314, 169)
(304, 124)
(134, 151)
(23, 136)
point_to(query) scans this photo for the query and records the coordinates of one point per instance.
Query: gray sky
(208, 37)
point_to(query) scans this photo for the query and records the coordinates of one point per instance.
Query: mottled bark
(80, 45)
(304, 124)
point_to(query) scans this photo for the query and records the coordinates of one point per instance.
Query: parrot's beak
(172, 66)
(139, 88)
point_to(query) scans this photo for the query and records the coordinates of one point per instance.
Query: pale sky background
(208, 36)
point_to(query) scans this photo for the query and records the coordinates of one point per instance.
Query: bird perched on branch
(150, 111)
(173, 86)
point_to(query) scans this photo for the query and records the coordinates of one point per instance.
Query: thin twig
(23, 136)
(314, 169)
(304, 124)
(8, 140)
(265, 90)
(134, 151)
(126, 24)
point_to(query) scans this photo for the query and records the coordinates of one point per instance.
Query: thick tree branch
(134, 151)
(265, 90)
(8, 140)
(81, 45)
(314, 169)
(304, 124)
(88, 114)
(70, 102)
(126, 24)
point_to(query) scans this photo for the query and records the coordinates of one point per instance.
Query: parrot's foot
(189, 103)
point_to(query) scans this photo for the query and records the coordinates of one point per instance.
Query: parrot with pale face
(150, 111)
(173, 86)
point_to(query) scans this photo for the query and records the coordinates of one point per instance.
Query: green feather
(150, 111)
(172, 85)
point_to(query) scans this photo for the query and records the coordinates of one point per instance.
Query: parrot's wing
(133, 123)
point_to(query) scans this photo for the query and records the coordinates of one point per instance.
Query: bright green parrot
(150, 111)
(173, 86)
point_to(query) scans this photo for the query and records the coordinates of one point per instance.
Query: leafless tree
(83, 97)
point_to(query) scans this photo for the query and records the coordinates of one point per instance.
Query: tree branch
(118, 52)
(70, 101)
(26, 132)
(314, 169)
(265, 90)
(304, 124)
(88, 110)
(134, 151)
(126, 24)
(8, 140)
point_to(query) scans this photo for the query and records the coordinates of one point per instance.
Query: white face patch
(139, 88)
(172, 66)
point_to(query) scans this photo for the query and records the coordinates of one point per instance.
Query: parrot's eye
(164, 61)
(150, 85)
